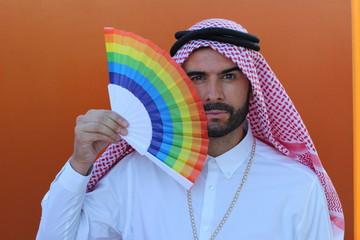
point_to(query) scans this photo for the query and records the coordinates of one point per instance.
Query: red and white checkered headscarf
(272, 116)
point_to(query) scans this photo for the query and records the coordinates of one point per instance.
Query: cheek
(200, 91)
(237, 97)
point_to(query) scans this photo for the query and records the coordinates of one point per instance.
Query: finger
(110, 114)
(99, 131)
(117, 118)
(88, 139)
(116, 122)
(107, 117)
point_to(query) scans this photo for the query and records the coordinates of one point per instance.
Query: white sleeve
(62, 205)
(315, 224)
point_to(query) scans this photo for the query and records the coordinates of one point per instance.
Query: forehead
(207, 59)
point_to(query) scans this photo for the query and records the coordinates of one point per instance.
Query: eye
(197, 78)
(229, 76)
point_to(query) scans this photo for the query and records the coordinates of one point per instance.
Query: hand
(93, 132)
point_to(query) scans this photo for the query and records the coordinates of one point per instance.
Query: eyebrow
(195, 73)
(236, 68)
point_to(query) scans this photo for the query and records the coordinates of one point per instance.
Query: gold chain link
(232, 204)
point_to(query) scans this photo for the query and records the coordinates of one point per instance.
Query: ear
(250, 92)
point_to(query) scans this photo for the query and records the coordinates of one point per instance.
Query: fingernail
(123, 132)
(124, 123)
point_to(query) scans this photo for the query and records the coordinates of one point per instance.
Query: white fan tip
(129, 107)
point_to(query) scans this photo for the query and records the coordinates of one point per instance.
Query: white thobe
(136, 200)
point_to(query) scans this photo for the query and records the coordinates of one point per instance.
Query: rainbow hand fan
(166, 119)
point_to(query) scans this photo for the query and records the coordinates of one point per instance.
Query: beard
(236, 118)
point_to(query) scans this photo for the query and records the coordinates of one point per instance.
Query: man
(252, 185)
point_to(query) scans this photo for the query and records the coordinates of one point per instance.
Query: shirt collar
(231, 160)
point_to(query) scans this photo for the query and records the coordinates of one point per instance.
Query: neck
(218, 146)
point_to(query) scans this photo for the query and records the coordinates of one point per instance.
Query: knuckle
(112, 114)
(79, 119)
(90, 111)
(109, 116)
(78, 132)
(76, 129)
(103, 118)
(97, 127)
(99, 136)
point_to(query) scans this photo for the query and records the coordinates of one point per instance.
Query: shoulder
(133, 161)
(288, 181)
(127, 176)
(276, 165)
(133, 168)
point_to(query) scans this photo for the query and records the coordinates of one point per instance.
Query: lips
(216, 113)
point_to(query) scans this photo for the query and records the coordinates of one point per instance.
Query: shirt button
(211, 188)
(206, 229)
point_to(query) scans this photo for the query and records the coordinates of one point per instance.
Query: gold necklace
(232, 204)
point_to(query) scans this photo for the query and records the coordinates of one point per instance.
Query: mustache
(219, 106)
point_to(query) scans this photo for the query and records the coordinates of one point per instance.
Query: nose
(213, 90)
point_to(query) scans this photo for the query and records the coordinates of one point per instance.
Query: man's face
(222, 87)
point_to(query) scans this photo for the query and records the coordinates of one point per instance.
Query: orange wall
(53, 68)
(356, 98)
